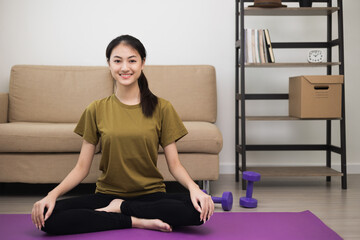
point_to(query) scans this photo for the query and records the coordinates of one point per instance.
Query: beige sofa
(44, 103)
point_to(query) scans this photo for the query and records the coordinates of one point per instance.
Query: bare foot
(152, 224)
(114, 206)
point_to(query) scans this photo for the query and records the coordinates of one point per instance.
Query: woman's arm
(77, 174)
(206, 207)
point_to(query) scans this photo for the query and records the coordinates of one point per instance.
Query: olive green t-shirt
(130, 143)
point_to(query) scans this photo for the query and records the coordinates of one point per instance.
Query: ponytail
(148, 100)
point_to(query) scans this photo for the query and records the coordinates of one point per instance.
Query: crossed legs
(100, 212)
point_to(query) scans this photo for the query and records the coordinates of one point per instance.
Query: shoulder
(99, 103)
(163, 103)
(165, 108)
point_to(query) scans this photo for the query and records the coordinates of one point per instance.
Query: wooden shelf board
(295, 171)
(290, 11)
(276, 118)
(274, 65)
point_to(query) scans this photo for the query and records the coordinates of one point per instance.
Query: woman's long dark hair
(148, 100)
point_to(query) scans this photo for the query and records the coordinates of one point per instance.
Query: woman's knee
(50, 226)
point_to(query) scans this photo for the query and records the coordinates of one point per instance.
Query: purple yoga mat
(223, 226)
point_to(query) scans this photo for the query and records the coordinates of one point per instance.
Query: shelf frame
(290, 64)
(329, 43)
(286, 118)
(290, 11)
(295, 171)
(241, 97)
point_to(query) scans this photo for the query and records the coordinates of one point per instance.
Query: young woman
(130, 191)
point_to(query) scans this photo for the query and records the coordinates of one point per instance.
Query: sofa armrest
(4, 106)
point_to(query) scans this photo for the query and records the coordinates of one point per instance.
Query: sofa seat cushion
(39, 137)
(203, 137)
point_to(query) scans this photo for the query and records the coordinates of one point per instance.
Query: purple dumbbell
(248, 201)
(226, 200)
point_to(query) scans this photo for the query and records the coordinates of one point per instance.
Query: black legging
(77, 215)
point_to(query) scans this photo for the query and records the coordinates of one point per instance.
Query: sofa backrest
(61, 93)
(55, 93)
(190, 88)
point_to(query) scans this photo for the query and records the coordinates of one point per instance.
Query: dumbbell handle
(216, 199)
(249, 189)
(226, 200)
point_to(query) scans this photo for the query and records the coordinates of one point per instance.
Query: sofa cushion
(190, 89)
(4, 105)
(203, 137)
(39, 137)
(18, 137)
(200, 166)
(55, 93)
(63, 92)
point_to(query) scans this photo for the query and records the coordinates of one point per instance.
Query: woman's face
(125, 64)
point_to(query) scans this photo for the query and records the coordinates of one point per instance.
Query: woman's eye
(116, 61)
(133, 61)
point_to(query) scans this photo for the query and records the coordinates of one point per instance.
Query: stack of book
(258, 47)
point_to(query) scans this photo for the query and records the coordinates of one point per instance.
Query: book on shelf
(269, 49)
(258, 47)
(254, 45)
(262, 47)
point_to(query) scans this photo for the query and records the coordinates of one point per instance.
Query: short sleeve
(87, 127)
(172, 128)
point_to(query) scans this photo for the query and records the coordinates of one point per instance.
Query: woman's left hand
(202, 203)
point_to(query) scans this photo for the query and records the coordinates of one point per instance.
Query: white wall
(76, 32)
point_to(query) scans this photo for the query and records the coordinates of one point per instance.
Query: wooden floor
(338, 208)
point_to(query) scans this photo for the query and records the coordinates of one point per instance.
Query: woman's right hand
(37, 213)
(75, 177)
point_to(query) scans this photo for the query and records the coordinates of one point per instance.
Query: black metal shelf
(286, 118)
(290, 11)
(310, 171)
(241, 96)
(264, 96)
(283, 147)
(295, 45)
(290, 64)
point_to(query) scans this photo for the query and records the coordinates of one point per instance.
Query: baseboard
(353, 168)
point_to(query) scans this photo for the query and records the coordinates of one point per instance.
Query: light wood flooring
(337, 208)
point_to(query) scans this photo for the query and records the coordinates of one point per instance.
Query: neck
(129, 95)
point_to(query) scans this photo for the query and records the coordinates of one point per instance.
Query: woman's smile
(125, 75)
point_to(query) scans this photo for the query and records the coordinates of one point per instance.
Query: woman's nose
(124, 66)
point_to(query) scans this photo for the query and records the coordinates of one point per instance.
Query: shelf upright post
(243, 116)
(329, 72)
(342, 72)
(236, 91)
(242, 89)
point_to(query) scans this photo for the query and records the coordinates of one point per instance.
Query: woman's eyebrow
(132, 56)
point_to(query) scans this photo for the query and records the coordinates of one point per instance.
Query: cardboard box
(317, 96)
